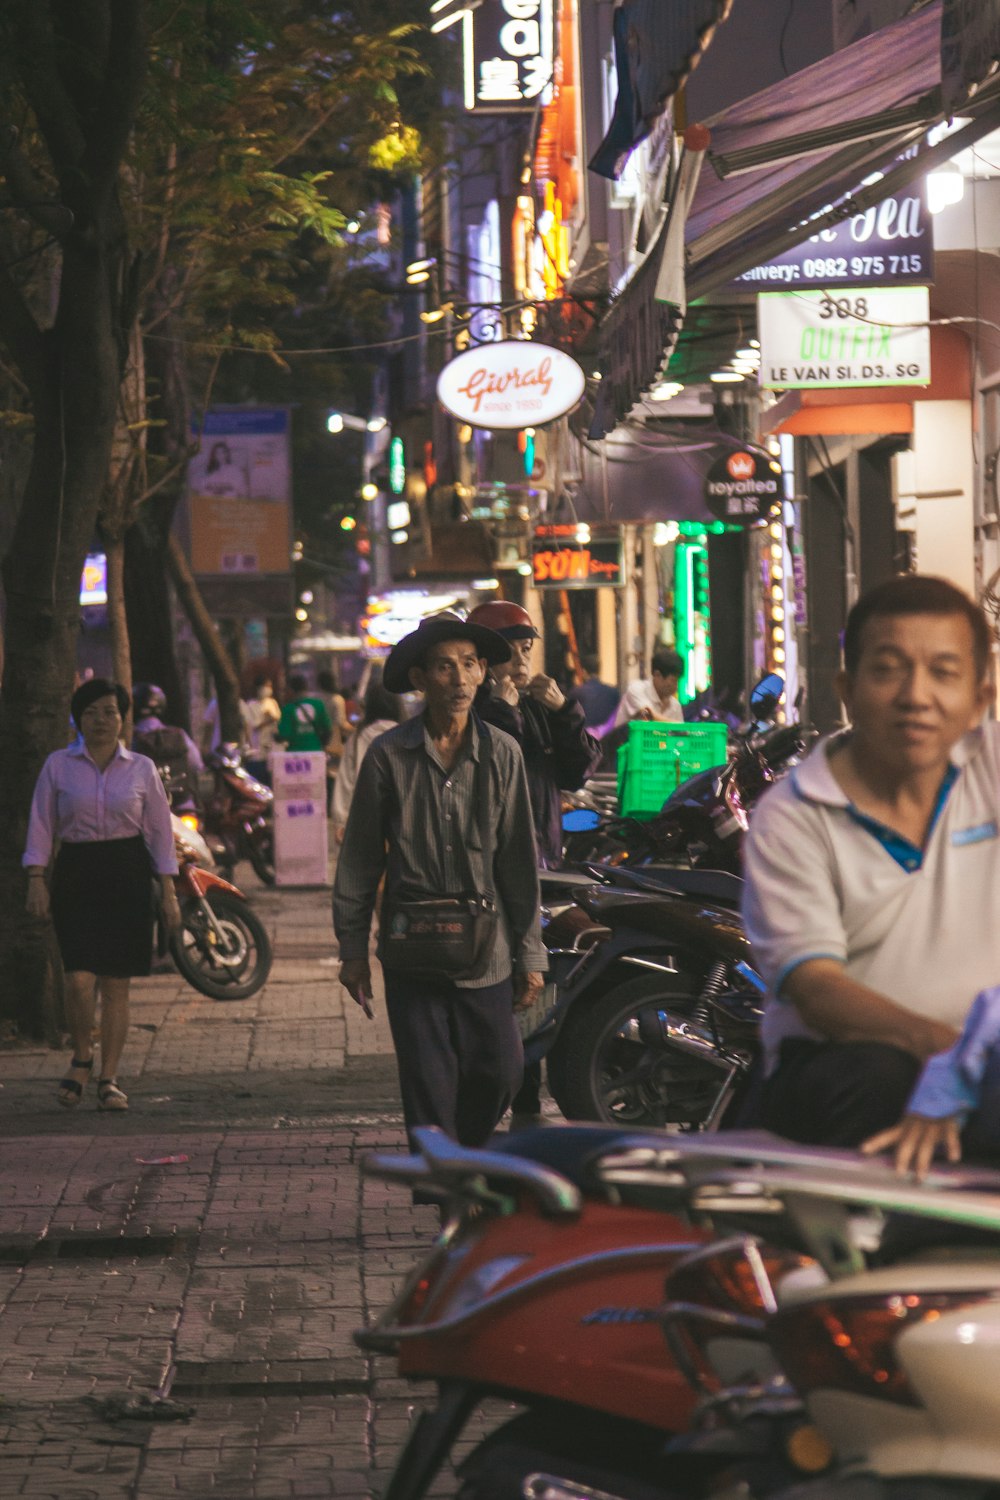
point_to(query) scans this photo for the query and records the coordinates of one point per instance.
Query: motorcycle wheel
(600, 1068)
(625, 1468)
(244, 935)
(260, 852)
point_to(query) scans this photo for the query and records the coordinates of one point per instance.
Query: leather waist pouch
(446, 937)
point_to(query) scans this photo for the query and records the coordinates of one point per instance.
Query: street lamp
(337, 420)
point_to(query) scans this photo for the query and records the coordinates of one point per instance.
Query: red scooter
(546, 1287)
(222, 947)
(238, 815)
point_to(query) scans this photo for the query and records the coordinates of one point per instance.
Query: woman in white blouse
(382, 711)
(109, 813)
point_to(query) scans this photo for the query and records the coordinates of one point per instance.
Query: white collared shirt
(642, 695)
(919, 927)
(76, 802)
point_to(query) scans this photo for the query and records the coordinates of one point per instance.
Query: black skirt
(102, 907)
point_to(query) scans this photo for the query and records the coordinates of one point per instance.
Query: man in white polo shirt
(873, 871)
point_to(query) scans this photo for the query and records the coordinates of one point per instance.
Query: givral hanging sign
(512, 384)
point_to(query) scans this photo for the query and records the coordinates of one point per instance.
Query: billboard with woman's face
(239, 492)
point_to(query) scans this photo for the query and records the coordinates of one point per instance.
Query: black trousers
(837, 1093)
(458, 1051)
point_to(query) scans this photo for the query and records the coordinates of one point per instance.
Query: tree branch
(125, 75)
(38, 70)
(21, 333)
(28, 190)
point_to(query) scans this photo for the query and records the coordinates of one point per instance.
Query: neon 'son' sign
(512, 384)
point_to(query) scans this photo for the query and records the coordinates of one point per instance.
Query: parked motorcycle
(222, 947)
(787, 1276)
(877, 1307)
(238, 815)
(655, 999)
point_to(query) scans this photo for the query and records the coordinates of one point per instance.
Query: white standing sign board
(812, 339)
(301, 850)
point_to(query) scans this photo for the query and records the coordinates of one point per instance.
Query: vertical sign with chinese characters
(301, 854)
(509, 55)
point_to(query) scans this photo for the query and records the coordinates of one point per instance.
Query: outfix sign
(561, 561)
(742, 487)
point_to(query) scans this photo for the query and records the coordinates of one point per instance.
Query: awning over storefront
(787, 153)
(828, 142)
(642, 474)
(656, 47)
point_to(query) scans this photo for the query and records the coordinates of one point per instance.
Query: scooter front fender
(198, 881)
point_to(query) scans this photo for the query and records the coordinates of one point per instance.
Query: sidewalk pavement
(231, 1280)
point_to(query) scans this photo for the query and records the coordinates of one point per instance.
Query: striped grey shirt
(418, 822)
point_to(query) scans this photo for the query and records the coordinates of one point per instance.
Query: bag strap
(482, 779)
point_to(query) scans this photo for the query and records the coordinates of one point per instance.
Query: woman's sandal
(110, 1096)
(70, 1090)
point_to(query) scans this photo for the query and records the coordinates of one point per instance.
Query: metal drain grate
(306, 1377)
(18, 1251)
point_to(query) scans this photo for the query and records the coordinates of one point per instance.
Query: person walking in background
(559, 755)
(109, 813)
(170, 748)
(382, 711)
(441, 807)
(336, 710)
(265, 716)
(655, 697)
(599, 700)
(304, 723)
(210, 735)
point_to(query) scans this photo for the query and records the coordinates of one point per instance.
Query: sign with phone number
(893, 241)
(814, 340)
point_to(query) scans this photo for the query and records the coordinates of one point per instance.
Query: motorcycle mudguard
(206, 880)
(582, 1454)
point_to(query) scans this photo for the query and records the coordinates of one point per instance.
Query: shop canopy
(830, 141)
(640, 474)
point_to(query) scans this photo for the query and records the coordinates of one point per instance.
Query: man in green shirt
(304, 723)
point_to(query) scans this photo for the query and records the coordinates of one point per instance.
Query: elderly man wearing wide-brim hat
(441, 809)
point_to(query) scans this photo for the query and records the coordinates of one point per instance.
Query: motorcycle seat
(710, 885)
(573, 1151)
(645, 911)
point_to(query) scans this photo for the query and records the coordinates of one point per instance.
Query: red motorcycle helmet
(510, 620)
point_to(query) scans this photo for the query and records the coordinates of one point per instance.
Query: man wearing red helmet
(559, 754)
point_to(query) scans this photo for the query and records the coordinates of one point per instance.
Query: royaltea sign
(513, 384)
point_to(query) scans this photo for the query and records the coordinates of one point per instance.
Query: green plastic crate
(656, 758)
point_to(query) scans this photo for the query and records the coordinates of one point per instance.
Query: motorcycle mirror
(580, 820)
(766, 695)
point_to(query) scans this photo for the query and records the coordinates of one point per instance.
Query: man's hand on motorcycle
(916, 1140)
(527, 989)
(546, 691)
(356, 977)
(171, 911)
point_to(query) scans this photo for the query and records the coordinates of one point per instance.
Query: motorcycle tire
(626, 1468)
(242, 929)
(597, 1070)
(260, 852)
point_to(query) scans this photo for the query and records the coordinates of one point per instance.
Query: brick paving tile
(240, 1275)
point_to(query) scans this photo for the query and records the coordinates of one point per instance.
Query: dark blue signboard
(889, 245)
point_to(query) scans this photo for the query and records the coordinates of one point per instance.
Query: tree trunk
(121, 656)
(42, 571)
(227, 685)
(150, 608)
